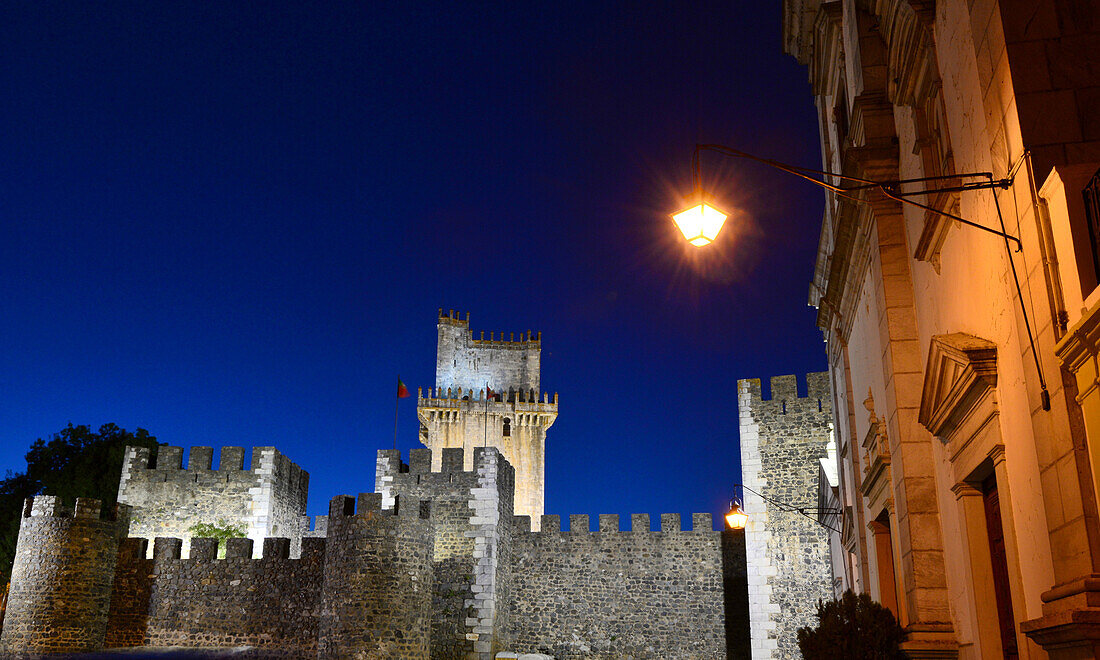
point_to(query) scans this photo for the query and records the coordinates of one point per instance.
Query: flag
(489, 393)
(402, 391)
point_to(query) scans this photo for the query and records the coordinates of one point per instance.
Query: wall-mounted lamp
(701, 222)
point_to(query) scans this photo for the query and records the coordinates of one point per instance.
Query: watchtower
(61, 580)
(783, 440)
(459, 413)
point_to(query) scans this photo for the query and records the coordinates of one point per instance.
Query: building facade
(963, 369)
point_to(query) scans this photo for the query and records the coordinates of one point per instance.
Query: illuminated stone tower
(455, 413)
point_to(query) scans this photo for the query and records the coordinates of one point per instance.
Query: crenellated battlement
(51, 506)
(312, 526)
(460, 399)
(527, 338)
(205, 549)
(200, 459)
(784, 393)
(343, 508)
(267, 499)
(610, 523)
(425, 478)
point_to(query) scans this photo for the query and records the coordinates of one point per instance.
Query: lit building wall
(962, 491)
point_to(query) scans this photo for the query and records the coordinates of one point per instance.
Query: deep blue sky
(232, 223)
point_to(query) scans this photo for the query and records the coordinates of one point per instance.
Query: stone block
(276, 548)
(169, 458)
(551, 523)
(238, 548)
(200, 458)
(670, 522)
(167, 548)
(609, 522)
(203, 548)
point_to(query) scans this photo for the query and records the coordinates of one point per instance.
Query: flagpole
(396, 407)
(485, 435)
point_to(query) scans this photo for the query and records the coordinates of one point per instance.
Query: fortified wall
(432, 565)
(782, 441)
(268, 499)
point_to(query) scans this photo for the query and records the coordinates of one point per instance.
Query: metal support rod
(805, 510)
(888, 188)
(892, 190)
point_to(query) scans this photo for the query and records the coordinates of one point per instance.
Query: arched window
(507, 427)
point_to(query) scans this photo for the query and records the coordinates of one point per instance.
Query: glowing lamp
(700, 224)
(736, 518)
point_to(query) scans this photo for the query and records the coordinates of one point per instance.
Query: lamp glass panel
(736, 518)
(700, 224)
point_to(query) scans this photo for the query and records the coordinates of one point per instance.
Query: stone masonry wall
(62, 576)
(268, 500)
(470, 547)
(619, 594)
(271, 603)
(782, 442)
(128, 617)
(377, 595)
(462, 362)
(450, 422)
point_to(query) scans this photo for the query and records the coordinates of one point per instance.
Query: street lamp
(700, 223)
(737, 518)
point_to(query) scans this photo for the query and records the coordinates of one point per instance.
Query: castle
(434, 563)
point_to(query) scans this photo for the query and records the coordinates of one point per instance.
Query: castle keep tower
(455, 413)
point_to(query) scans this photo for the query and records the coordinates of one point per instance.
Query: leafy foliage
(852, 628)
(76, 462)
(220, 530)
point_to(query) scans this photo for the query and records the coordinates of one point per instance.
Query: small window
(840, 116)
(1092, 217)
(507, 427)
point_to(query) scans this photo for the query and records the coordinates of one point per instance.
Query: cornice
(960, 369)
(1081, 341)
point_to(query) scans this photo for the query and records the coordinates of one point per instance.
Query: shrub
(220, 530)
(851, 628)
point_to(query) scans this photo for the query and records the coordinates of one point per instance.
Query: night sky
(233, 223)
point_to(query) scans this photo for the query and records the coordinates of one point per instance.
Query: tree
(851, 628)
(76, 462)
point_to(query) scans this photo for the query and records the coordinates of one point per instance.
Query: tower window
(507, 427)
(1092, 217)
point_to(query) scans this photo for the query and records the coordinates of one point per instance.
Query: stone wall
(617, 594)
(377, 595)
(62, 577)
(271, 603)
(432, 565)
(268, 500)
(782, 442)
(471, 549)
(465, 363)
(450, 422)
(128, 617)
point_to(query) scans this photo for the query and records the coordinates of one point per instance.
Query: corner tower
(459, 413)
